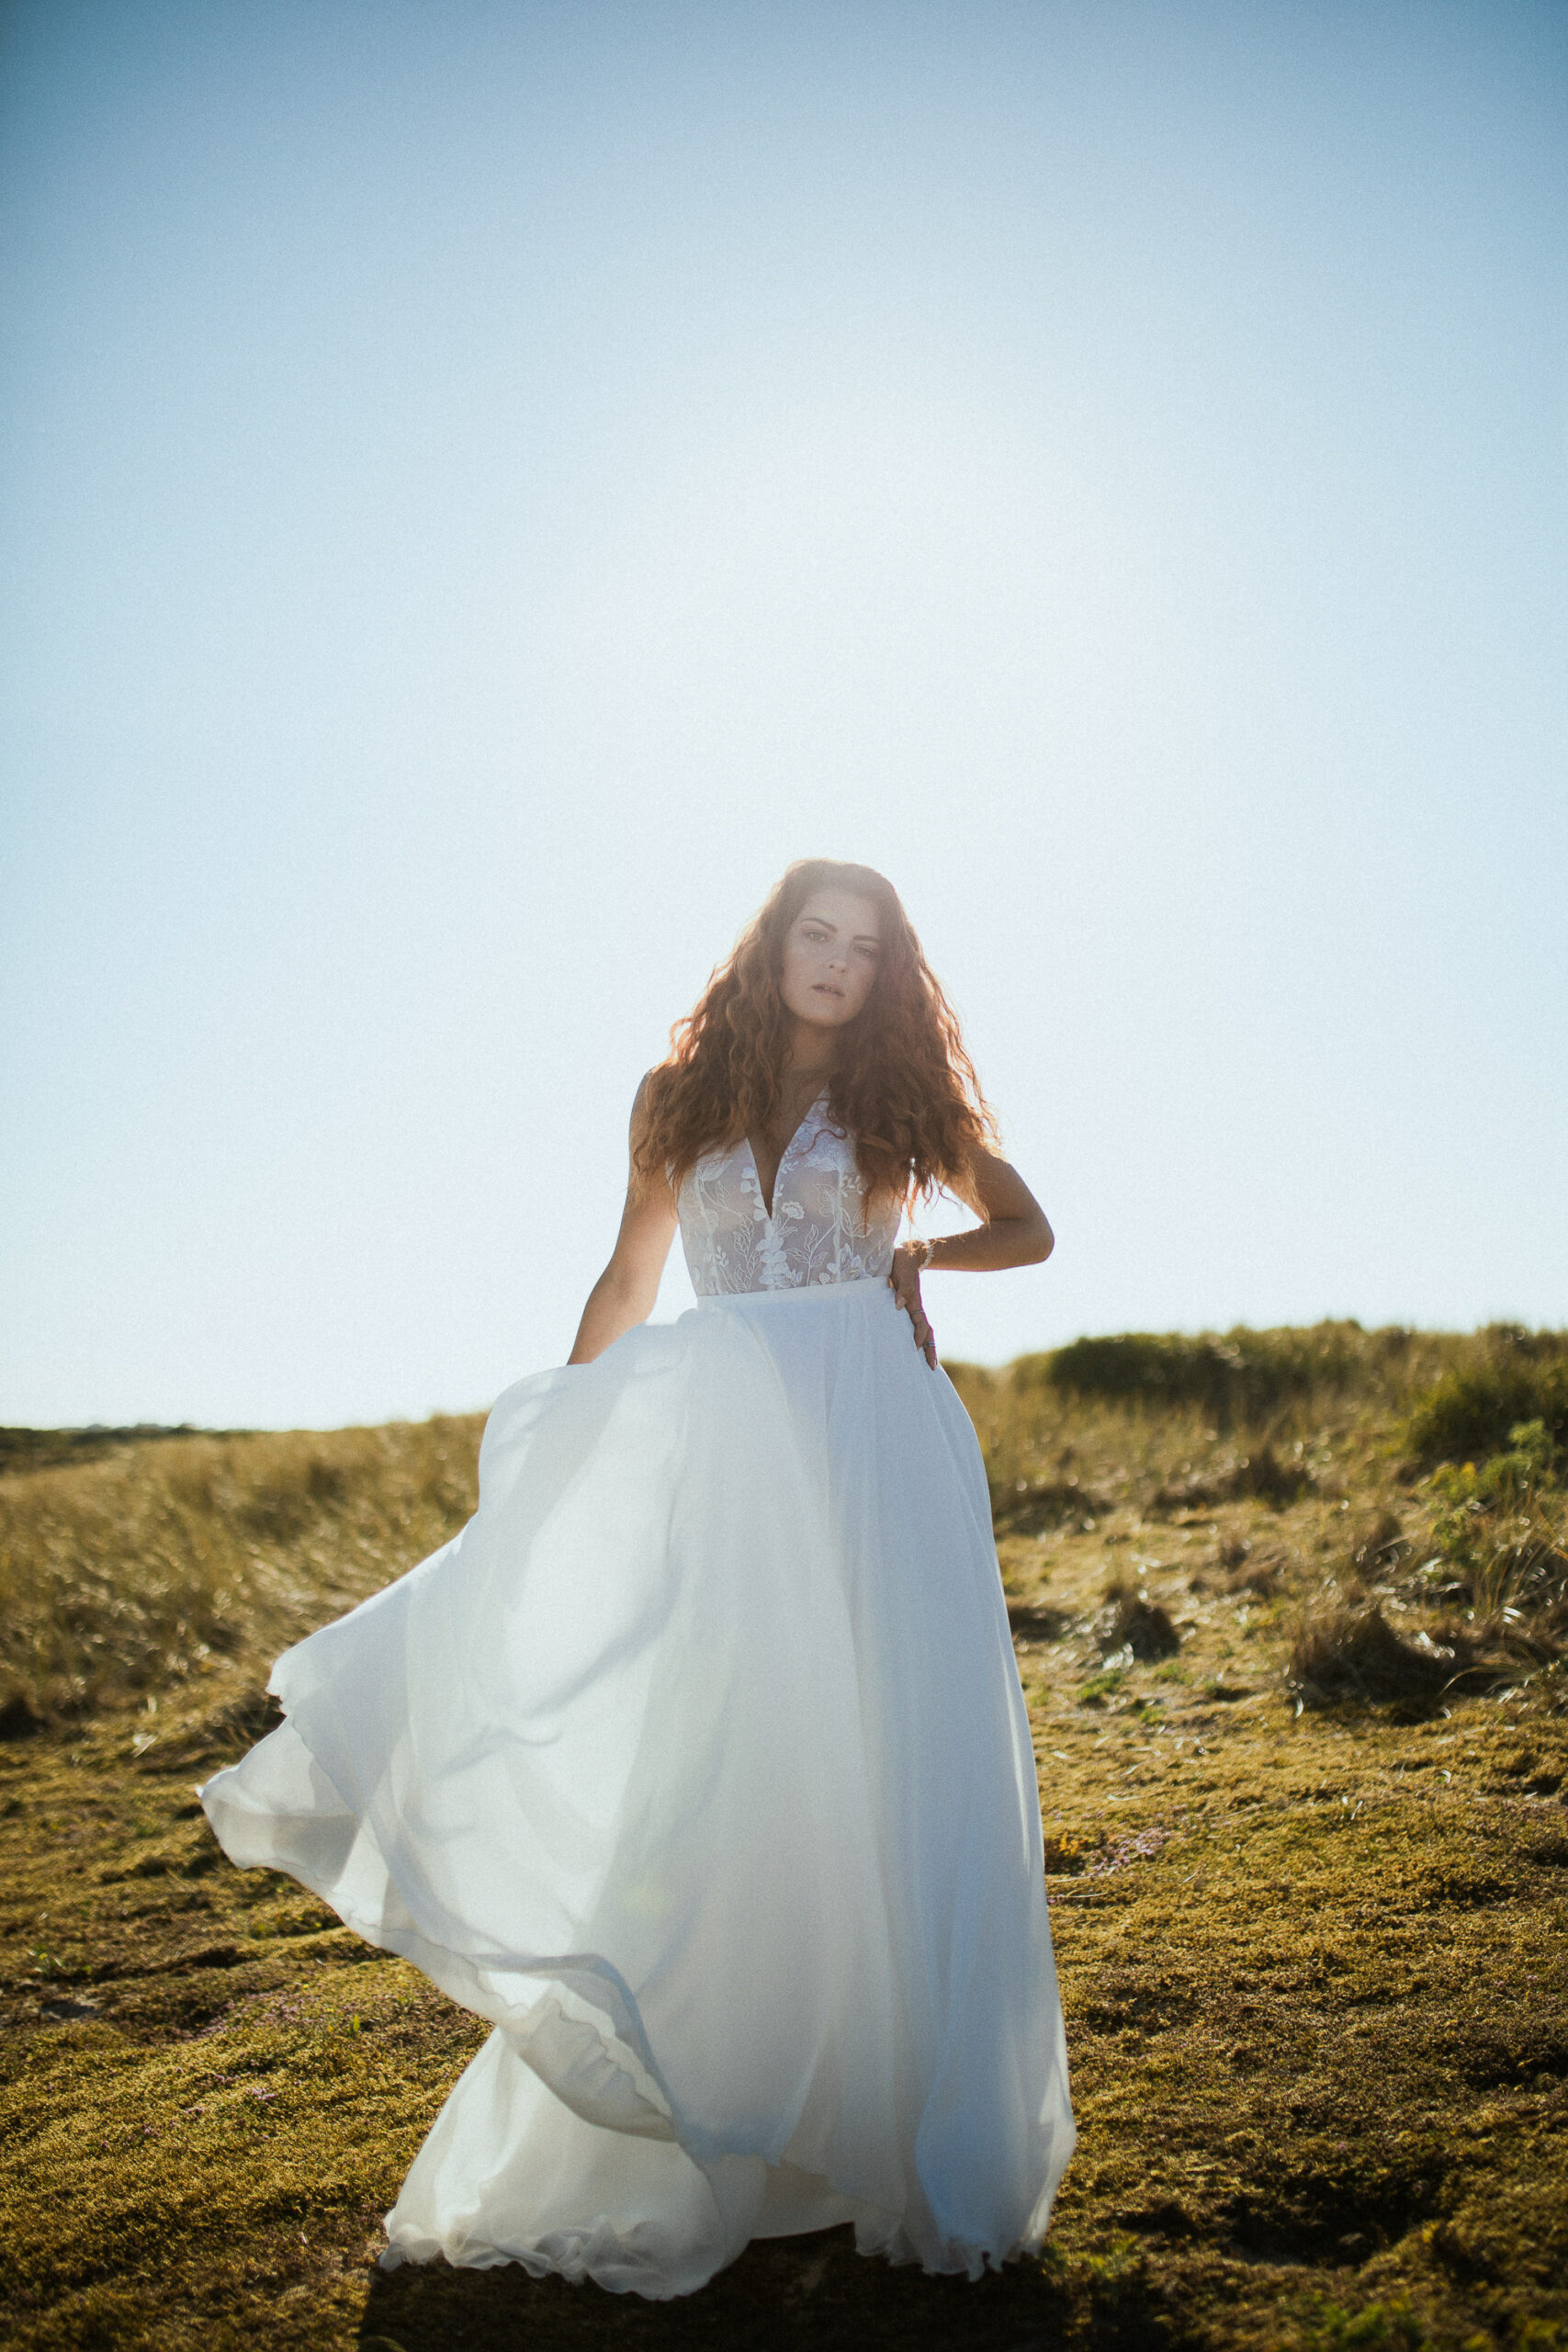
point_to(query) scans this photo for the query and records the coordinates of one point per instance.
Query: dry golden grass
(1310, 1931)
(130, 1573)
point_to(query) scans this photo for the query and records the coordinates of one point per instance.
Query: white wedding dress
(697, 1763)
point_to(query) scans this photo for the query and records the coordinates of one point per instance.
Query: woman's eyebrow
(862, 938)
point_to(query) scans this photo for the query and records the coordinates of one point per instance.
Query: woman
(698, 1762)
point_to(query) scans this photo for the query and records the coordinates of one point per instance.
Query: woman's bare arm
(624, 1291)
(1014, 1232)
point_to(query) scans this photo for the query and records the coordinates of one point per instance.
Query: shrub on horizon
(1468, 1415)
(1236, 1375)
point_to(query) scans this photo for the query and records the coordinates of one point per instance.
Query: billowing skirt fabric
(698, 1764)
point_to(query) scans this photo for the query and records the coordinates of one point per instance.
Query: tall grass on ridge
(134, 1572)
(131, 1562)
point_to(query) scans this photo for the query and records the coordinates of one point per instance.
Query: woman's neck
(810, 1054)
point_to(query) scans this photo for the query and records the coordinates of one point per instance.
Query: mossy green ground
(1312, 1965)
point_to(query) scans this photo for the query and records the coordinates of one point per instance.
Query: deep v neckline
(814, 1104)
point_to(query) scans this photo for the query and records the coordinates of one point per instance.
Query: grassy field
(1289, 1610)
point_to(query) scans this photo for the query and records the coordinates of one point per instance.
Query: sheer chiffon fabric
(697, 1764)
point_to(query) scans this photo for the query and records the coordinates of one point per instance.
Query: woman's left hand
(904, 1281)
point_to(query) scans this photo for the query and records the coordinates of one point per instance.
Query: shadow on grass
(781, 2294)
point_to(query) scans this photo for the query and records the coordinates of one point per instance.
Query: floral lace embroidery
(817, 1232)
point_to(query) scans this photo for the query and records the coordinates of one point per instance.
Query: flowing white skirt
(698, 1764)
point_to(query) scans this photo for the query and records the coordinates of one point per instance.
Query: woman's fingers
(925, 1338)
(906, 1288)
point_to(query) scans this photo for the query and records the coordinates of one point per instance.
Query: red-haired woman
(697, 1762)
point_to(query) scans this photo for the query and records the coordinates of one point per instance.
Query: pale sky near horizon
(482, 487)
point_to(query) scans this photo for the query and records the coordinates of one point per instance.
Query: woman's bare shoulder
(645, 1105)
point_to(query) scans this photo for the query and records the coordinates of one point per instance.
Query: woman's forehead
(842, 911)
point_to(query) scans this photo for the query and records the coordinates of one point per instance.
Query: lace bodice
(817, 1232)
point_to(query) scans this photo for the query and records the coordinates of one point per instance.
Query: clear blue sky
(484, 486)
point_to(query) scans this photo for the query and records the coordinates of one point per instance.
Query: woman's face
(830, 954)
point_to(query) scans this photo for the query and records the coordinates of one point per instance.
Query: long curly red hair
(902, 1085)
